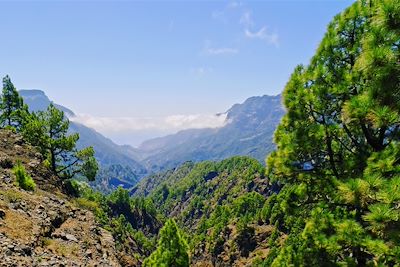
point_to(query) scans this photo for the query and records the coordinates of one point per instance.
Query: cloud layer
(262, 34)
(131, 124)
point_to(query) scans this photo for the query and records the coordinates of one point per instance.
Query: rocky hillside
(45, 227)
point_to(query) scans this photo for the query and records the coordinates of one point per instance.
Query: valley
(308, 177)
(248, 132)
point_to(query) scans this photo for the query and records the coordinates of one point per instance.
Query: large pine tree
(338, 147)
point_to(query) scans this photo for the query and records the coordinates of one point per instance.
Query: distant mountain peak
(37, 100)
(262, 107)
(248, 131)
(33, 92)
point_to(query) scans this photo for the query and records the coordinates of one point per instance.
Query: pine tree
(338, 146)
(172, 250)
(48, 130)
(12, 108)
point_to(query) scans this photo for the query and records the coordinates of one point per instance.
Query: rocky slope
(45, 227)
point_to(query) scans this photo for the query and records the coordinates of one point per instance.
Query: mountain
(248, 132)
(110, 155)
(37, 100)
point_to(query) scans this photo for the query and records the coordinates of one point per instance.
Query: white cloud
(221, 51)
(173, 123)
(210, 50)
(262, 34)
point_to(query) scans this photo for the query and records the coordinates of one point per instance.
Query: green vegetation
(12, 106)
(205, 199)
(172, 248)
(330, 194)
(338, 147)
(48, 131)
(336, 165)
(133, 222)
(23, 179)
(208, 199)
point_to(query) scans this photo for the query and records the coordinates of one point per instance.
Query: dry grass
(62, 248)
(12, 195)
(86, 204)
(17, 226)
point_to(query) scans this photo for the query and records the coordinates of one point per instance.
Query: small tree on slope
(172, 250)
(48, 131)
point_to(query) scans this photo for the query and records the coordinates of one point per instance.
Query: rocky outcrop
(44, 227)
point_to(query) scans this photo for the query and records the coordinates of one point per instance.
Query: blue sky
(130, 62)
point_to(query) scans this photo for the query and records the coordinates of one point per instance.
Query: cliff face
(44, 227)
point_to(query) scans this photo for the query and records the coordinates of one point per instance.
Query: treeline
(48, 131)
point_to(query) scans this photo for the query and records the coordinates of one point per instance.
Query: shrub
(72, 188)
(24, 180)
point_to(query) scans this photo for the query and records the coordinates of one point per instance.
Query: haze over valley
(200, 133)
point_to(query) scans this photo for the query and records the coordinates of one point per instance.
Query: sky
(139, 69)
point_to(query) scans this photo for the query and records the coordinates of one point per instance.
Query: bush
(24, 180)
(72, 188)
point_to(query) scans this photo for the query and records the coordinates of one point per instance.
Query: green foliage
(248, 204)
(23, 179)
(217, 204)
(12, 109)
(48, 131)
(172, 249)
(338, 147)
(128, 219)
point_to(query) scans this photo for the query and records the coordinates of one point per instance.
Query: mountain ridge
(247, 132)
